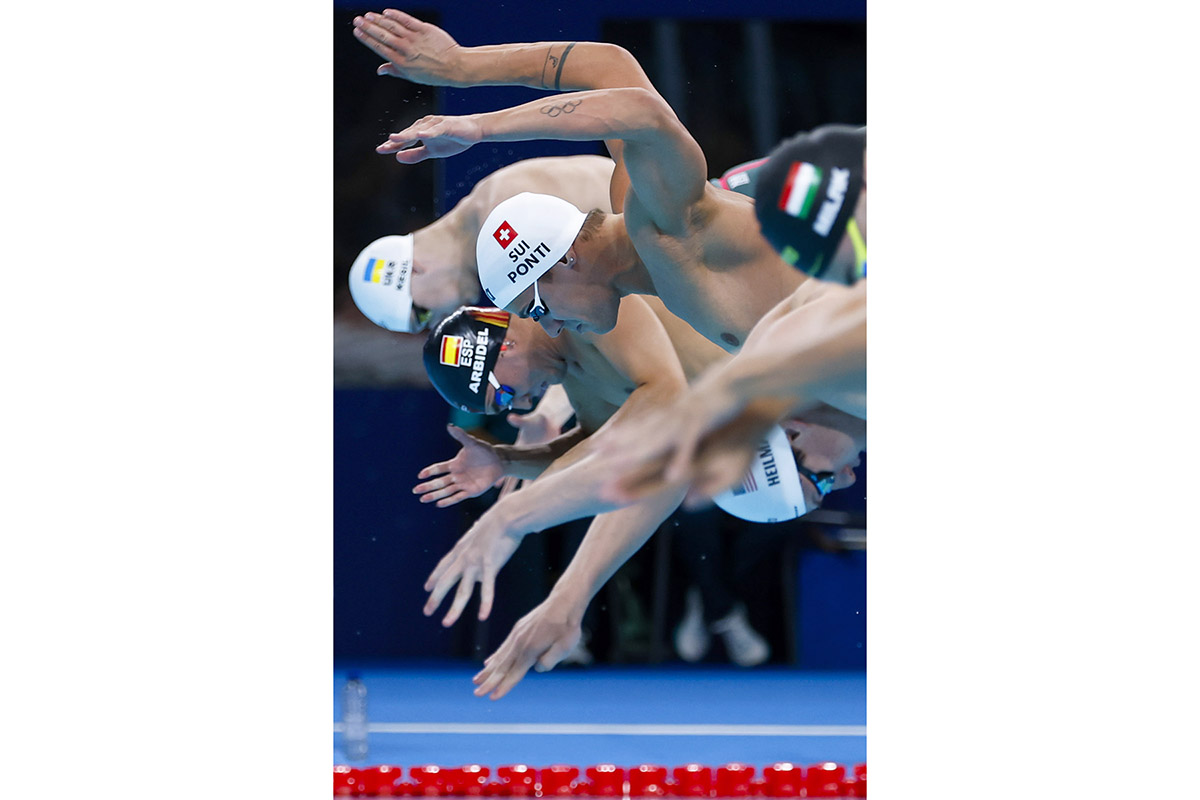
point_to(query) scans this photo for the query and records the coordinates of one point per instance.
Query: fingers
(510, 679)
(413, 156)
(442, 481)
(501, 675)
(394, 145)
(460, 436)
(466, 588)
(407, 22)
(440, 580)
(435, 489)
(440, 468)
(551, 657)
(487, 588)
(383, 35)
(453, 499)
(441, 567)
(464, 579)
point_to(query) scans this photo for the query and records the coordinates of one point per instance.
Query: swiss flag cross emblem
(505, 234)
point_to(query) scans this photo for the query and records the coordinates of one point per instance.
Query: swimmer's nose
(553, 327)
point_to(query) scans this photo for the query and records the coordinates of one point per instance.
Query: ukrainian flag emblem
(374, 270)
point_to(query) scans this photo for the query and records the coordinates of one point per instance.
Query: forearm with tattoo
(554, 65)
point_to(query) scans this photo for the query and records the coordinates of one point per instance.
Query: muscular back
(581, 180)
(717, 273)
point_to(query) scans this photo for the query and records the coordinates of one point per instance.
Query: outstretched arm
(550, 500)
(665, 164)
(479, 465)
(639, 350)
(542, 637)
(797, 355)
(424, 53)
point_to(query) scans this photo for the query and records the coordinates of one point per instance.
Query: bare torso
(695, 352)
(719, 275)
(595, 388)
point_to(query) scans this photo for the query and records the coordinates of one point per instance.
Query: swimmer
(679, 238)
(410, 283)
(519, 361)
(490, 361)
(808, 350)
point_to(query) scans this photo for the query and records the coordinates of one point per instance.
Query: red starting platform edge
(781, 779)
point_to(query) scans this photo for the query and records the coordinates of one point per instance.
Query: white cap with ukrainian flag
(381, 283)
(520, 240)
(770, 491)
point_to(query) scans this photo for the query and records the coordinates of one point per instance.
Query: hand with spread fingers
(432, 137)
(417, 51)
(658, 449)
(476, 468)
(723, 453)
(540, 639)
(475, 558)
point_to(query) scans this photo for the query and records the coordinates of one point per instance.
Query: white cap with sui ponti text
(520, 240)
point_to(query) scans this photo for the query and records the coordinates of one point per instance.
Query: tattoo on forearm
(551, 63)
(562, 108)
(555, 63)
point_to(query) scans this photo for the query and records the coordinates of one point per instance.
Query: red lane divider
(734, 780)
(648, 780)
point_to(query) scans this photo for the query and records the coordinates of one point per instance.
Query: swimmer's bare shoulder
(581, 180)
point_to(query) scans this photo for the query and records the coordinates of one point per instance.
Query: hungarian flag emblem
(505, 234)
(800, 189)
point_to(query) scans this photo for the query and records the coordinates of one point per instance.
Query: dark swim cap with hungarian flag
(806, 195)
(461, 352)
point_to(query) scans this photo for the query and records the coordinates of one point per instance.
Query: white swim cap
(771, 489)
(381, 283)
(520, 240)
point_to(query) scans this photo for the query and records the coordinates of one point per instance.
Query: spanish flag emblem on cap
(451, 347)
(496, 317)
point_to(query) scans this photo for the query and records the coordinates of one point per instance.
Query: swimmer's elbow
(621, 69)
(646, 110)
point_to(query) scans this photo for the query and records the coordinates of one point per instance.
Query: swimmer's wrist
(575, 599)
(504, 452)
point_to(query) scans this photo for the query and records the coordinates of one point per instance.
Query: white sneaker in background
(691, 637)
(743, 644)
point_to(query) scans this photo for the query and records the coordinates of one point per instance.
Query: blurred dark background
(740, 76)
